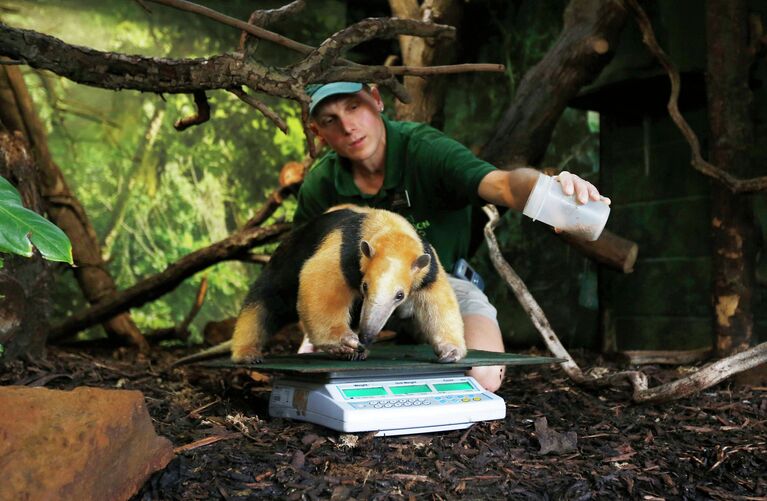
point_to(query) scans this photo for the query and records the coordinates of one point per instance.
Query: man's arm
(512, 188)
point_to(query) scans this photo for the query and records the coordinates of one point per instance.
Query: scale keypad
(386, 403)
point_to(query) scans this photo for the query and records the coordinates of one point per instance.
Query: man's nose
(347, 124)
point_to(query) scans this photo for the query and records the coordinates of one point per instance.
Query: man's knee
(489, 377)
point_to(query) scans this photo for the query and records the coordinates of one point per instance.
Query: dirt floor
(712, 446)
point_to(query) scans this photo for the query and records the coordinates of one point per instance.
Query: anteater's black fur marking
(276, 289)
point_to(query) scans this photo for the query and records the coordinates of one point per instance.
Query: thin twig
(733, 183)
(684, 387)
(206, 441)
(263, 18)
(237, 23)
(263, 108)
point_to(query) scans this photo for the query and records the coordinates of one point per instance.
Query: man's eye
(327, 121)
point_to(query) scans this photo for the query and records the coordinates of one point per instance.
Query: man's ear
(313, 127)
(376, 96)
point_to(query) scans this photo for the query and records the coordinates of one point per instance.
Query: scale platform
(398, 390)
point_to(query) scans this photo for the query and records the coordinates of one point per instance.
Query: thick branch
(158, 285)
(734, 184)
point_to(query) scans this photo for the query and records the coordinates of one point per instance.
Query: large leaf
(21, 228)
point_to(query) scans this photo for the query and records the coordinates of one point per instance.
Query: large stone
(88, 443)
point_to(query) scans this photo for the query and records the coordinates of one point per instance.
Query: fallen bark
(704, 378)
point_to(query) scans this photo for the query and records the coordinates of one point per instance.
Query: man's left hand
(583, 190)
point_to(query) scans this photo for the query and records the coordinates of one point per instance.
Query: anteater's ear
(367, 249)
(421, 262)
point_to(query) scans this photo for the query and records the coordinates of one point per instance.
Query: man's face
(352, 125)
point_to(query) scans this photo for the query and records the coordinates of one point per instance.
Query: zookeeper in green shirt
(422, 174)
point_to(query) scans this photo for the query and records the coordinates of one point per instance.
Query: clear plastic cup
(548, 203)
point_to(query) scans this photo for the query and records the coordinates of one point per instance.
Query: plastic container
(548, 203)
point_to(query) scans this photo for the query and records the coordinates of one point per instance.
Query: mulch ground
(711, 446)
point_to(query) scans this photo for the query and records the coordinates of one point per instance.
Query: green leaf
(21, 228)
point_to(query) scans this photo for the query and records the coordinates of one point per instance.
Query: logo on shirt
(420, 226)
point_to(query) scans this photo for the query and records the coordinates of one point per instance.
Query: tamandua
(346, 256)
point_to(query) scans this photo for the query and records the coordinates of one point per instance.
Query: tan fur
(435, 307)
(248, 337)
(397, 263)
(324, 300)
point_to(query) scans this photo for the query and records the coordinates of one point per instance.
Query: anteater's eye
(399, 296)
(364, 287)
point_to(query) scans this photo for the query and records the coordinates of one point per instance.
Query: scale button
(417, 402)
(388, 404)
(427, 403)
(408, 403)
(465, 399)
(477, 398)
(398, 404)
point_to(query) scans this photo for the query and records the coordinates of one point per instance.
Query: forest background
(155, 194)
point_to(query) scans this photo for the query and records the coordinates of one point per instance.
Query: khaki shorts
(471, 300)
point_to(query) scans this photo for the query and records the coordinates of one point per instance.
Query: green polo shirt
(430, 179)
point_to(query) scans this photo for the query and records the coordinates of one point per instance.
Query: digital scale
(398, 390)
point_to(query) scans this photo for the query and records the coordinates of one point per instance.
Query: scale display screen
(410, 389)
(453, 386)
(376, 391)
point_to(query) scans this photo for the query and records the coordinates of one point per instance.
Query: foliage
(22, 230)
(188, 189)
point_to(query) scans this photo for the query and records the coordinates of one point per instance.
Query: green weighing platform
(397, 390)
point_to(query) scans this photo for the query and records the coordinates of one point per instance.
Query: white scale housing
(389, 404)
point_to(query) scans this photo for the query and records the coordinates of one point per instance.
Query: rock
(87, 443)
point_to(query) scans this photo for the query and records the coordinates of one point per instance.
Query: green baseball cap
(319, 92)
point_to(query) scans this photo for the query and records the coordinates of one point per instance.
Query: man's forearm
(508, 188)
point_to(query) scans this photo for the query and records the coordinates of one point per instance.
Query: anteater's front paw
(246, 355)
(447, 353)
(348, 347)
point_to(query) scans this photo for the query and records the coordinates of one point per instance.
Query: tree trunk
(17, 111)
(585, 46)
(25, 304)
(428, 93)
(732, 138)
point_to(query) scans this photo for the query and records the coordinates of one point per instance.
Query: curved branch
(702, 379)
(263, 108)
(202, 115)
(231, 21)
(326, 55)
(263, 18)
(734, 184)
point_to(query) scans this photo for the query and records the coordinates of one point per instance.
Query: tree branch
(734, 184)
(157, 285)
(202, 115)
(704, 378)
(263, 18)
(264, 109)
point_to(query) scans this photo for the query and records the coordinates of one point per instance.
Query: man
(419, 172)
